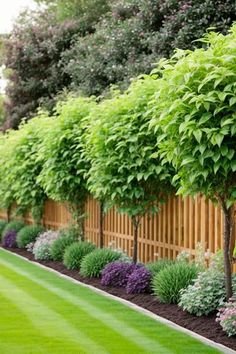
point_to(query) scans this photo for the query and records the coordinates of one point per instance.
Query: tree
(196, 108)
(20, 168)
(62, 155)
(32, 55)
(125, 168)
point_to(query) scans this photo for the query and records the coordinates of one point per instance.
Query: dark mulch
(204, 325)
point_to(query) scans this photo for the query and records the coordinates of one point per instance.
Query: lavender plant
(9, 239)
(139, 281)
(117, 274)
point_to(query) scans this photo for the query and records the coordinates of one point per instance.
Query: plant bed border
(203, 328)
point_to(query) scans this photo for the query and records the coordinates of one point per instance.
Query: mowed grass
(40, 312)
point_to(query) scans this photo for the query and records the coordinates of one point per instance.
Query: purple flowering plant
(117, 274)
(139, 281)
(9, 239)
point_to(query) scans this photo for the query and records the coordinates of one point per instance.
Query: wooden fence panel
(180, 224)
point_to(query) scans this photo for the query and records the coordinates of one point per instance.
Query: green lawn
(40, 312)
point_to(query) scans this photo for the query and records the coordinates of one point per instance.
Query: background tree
(196, 107)
(32, 58)
(62, 156)
(86, 46)
(125, 168)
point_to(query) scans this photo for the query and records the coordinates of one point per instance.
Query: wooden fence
(180, 225)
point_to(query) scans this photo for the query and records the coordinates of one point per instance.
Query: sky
(9, 9)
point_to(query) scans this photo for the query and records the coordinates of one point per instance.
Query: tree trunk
(228, 225)
(9, 214)
(101, 220)
(136, 223)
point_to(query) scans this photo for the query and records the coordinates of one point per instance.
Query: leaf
(233, 165)
(232, 101)
(198, 135)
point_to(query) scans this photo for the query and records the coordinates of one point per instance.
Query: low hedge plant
(116, 274)
(28, 234)
(169, 281)
(15, 225)
(93, 264)
(75, 252)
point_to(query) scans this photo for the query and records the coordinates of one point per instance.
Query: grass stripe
(113, 327)
(129, 331)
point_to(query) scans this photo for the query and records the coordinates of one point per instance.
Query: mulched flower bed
(204, 325)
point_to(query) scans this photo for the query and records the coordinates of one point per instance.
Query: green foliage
(28, 234)
(125, 167)
(59, 245)
(155, 267)
(3, 224)
(62, 154)
(20, 167)
(94, 262)
(32, 55)
(169, 281)
(205, 295)
(2, 109)
(75, 253)
(134, 34)
(196, 108)
(91, 45)
(15, 225)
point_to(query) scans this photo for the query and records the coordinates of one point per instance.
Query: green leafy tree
(125, 168)
(196, 108)
(62, 155)
(20, 167)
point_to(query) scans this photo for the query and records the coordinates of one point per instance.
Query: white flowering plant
(42, 246)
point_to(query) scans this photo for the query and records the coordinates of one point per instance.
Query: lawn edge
(140, 309)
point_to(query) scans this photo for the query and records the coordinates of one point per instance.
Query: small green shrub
(72, 231)
(75, 253)
(206, 294)
(93, 264)
(169, 281)
(15, 225)
(58, 247)
(156, 267)
(28, 234)
(3, 224)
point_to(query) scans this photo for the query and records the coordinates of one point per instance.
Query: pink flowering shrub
(227, 317)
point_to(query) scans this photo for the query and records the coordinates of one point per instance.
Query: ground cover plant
(28, 234)
(75, 253)
(139, 281)
(77, 319)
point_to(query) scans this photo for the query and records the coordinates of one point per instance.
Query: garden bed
(204, 325)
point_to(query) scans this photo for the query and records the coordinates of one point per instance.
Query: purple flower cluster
(135, 278)
(9, 239)
(117, 274)
(139, 281)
